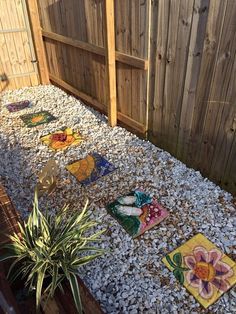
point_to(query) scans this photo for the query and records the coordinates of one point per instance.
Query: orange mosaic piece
(62, 139)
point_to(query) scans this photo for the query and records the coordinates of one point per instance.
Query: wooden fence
(193, 85)
(75, 41)
(21, 46)
(167, 68)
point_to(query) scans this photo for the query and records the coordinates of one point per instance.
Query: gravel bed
(131, 277)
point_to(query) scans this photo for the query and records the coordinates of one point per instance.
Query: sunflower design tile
(34, 119)
(17, 106)
(90, 169)
(203, 269)
(137, 212)
(62, 139)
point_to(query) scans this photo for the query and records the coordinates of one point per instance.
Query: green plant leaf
(84, 260)
(177, 258)
(170, 261)
(54, 279)
(53, 247)
(16, 261)
(179, 275)
(75, 291)
(40, 278)
(8, 255)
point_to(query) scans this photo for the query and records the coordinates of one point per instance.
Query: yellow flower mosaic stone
(62, 139)
(203, 269)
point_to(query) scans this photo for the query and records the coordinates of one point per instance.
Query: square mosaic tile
(204, 270)
(34, 119)
(17, 106)
(137, 212)
(90, 169)
(62, 139)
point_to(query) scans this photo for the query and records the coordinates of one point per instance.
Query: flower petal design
(214, 256)
(223, 270)
(206, 289)
(200, 254)
(193, 280)
(221, 284)
(190, 261)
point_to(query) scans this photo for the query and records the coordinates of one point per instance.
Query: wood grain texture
(38, 40)
(75, 30)
(175, 71)
(110, 62)
(16, 46)
(193, 85)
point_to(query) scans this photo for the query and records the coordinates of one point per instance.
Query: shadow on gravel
(16, 174)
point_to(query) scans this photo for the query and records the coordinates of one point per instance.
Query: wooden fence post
(110, 62)
(38, 40)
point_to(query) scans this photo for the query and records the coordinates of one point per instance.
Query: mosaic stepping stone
(137, 212)
(62, 139)
(47, 178)
(34, 119)
(203, 269)
(17, 106)
(90, 169)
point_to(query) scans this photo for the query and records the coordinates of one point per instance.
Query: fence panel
(74, 35)
(192, 101)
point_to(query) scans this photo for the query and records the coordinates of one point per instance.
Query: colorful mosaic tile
(62, 139)
(47, 178)
(90, 169)
(137, 212)
(203, 269)
(34, 119)
(17, 106)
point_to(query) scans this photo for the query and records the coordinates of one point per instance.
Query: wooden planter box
(62, 303)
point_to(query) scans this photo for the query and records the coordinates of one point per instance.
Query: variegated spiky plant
(52, 246)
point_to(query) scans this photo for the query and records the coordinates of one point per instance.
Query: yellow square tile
(62, 139)
(203, 269)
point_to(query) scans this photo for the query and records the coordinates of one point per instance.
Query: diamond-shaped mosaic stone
(62, 139)
(34, 119)
(203, 269)
(137, 212)
(90, 169)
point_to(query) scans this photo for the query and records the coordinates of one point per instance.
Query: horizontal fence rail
(175, 72)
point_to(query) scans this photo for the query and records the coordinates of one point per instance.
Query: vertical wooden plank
(152, 63)
(124, 78)
(179, 56)
(38, 41)
(135, 73)
(221, 89)
(199, 20)
(156, 118)
(110, 62)
(216, 17)
(144, 51)
(170, 83)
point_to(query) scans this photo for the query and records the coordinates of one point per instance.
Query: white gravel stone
(130, 278)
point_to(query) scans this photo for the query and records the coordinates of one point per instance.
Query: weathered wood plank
(121, 57)
(110, 62)
(38, 41)
(199, 21)
(156, 117)
(220, 94)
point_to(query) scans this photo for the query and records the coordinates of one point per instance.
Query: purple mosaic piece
(17, 106)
